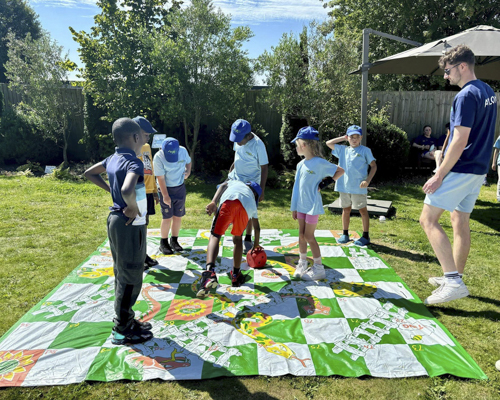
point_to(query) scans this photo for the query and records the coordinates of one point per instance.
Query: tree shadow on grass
(489, 216)
(493, 316)
(407, 255)
(225, 388)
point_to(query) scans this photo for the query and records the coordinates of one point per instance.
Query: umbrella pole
(364, 74)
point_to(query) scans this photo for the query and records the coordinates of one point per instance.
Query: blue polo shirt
(475, 107)
(305, 196)
(355, 162)
(118, 165)
(237, 190)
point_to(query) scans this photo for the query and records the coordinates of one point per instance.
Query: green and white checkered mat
(361, 320)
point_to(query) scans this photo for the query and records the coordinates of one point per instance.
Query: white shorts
(457, 192)
(357, 201)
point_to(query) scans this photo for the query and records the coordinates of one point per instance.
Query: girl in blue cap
(307, 204)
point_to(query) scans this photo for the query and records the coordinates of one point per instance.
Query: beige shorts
(357, 201)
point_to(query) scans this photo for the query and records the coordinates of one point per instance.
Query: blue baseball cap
(256, 189)
(170, 147)
(307, 132)
(145, 125)
(239, 129)
(354, 130)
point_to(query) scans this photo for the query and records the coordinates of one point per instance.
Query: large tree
(18, 17)
(308, 79)
(423, 21)
(204, 70)
(37, 70)
(119, 73)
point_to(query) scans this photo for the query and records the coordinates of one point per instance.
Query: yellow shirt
(149, 175)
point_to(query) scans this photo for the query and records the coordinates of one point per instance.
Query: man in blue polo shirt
(457, 182)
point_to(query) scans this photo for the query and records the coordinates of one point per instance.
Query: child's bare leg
(165, 227)
(212, 249)
(311, 239)
(365, 218)
(346, 217)
(248, 231)
(176, 225)
(302, 238)
(237, 251)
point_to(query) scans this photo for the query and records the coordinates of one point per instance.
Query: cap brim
(233, 137)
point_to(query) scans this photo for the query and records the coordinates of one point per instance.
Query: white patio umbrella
(483, 40)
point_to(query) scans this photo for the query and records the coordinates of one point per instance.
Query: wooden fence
(74, 94)
(408, 110)
(412, 110)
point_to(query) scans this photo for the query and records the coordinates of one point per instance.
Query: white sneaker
(300, 269)
(448, 292)
(315, 273)
(436, 280)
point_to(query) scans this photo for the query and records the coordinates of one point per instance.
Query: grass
(49, 227)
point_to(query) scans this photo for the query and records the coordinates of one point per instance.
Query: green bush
(289, 129)
(389, 145)
(33, 167)
(22, 140)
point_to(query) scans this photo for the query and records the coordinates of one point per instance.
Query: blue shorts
(178, 200)
(457, 192)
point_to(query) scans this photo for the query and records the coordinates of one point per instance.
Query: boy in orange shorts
(238, 203)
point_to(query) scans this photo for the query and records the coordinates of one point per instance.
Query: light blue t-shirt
(237, 190)
(497, 146)
(355, 162)
(248, 160)
(305, 196)
(173, 172)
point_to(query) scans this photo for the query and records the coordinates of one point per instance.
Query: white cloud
(242, 11)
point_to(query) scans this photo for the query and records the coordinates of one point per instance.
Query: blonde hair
(315, 147)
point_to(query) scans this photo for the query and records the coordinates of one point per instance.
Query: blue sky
(268, 19)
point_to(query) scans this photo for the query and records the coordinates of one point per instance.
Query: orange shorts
(230, 212)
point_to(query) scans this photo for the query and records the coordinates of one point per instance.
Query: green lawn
(49, 227)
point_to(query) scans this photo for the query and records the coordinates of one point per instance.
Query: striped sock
(452, 277)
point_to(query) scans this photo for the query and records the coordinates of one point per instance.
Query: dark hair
(447, 126)
(425, 126)
(123, 129)
(458, 55)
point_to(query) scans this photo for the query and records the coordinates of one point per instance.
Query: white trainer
(448, 292)
(436, 280)
(300, 269)
(315, 273)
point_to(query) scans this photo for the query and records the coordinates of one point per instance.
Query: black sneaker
(134, 334)
(149, 262)
(175, 245)
(145, 326)
(165, 248)
(208, 281)
(237, 279)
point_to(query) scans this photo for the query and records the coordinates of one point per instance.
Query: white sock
(317, 261)
(303, 256)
